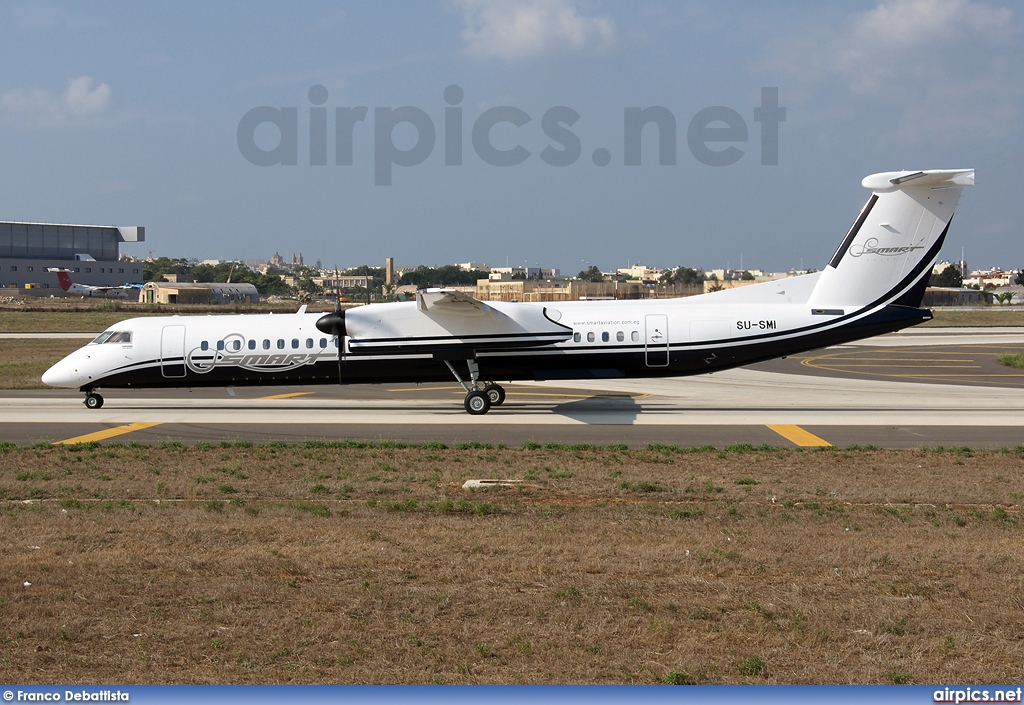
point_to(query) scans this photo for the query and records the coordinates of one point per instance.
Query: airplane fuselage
(874, 283)
(602, 340)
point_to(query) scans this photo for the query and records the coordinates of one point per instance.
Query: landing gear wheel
(477, 403)
(93, 401)
(496, 393)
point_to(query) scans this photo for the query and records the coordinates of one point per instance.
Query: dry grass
(76, 315)
(24, 360)
(370, 564)
(983, 316)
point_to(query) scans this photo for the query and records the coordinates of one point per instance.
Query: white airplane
(116, 292)
(873, 284)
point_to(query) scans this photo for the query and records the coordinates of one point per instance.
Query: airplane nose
(53, 376)
(63, 374)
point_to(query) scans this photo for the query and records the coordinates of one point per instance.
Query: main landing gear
(480, 396)
(93, 400)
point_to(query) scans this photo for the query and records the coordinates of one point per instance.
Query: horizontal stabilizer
(934, 178)
(887, 255)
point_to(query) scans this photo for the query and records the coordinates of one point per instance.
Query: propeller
(334, 324)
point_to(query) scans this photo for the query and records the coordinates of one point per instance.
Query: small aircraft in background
(873, 284)
(127, 291)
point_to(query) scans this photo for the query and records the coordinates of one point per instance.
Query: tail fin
(64, 279)
(887, 256)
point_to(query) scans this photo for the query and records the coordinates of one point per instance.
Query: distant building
(198, 293)
(474, 266)
(951, 296)
(90, 252)
(991, 278)
(277, 261)
(331, 282)
(572, 290)
(509, 273)
(641, 272)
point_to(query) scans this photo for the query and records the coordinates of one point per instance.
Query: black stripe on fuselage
(548, 363)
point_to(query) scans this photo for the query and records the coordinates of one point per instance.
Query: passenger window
(220, 344)
(252, 344)
(590, 337)
(266, 344)
(576, 337)
(323, 342)
(204, 345)
(604, 337)
(280, 344)
(309, 342)
(634, 336)
(236, 345)
(295, 343)
(620, 336)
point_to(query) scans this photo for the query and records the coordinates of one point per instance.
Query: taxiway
(922, 387)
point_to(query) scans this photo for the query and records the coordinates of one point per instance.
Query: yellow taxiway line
(107, 433)
(290, 395)
(792, 432)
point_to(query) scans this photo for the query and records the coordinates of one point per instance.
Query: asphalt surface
(926, 388)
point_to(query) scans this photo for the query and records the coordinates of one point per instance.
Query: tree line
(269, 284)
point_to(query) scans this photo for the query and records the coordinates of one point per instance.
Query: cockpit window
(113, 336)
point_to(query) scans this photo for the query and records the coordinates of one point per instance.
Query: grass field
(359, 563)
(24, 360)
(986, 316)
(81, 316)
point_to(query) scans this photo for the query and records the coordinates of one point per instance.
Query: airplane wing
(444, 320)
(450, 301)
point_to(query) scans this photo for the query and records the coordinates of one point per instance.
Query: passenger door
(656, 340)
(172, 351)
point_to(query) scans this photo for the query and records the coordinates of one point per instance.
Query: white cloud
(901, 35)
(938, 69)
(894, 41)
(45, 15)
(523, 29)
(40, 108)
(81, 99)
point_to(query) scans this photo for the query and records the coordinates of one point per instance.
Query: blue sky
(127, 113)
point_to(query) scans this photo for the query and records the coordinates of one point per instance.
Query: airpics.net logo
(715, 136)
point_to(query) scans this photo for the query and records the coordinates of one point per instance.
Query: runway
(926, 387)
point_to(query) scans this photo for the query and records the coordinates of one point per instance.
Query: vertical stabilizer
(892, 245)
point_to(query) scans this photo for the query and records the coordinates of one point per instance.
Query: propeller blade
(334, 324)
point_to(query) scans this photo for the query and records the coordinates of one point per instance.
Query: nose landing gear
(93, 400)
